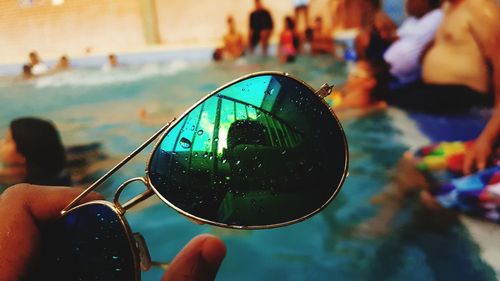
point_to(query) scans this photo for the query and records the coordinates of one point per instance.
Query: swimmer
(62, 63)
(36, 64)
(32, 152)
(289, 42)
(234, 45)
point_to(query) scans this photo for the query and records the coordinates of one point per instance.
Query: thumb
(199, 260)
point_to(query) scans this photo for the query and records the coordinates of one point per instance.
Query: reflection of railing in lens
(257, 160)
(279, 133)
(277, 128)
(246, 159)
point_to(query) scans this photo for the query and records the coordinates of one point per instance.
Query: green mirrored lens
(262, 151)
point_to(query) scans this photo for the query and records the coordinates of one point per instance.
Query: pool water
(91, 105)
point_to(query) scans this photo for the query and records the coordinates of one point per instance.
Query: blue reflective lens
(264, 150)
(88, 243)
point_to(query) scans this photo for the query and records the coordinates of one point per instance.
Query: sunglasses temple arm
(115, 168)
(162, 265)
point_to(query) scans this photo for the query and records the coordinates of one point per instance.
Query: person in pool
(322, 42)
(464, 62)
(400, 65)
(261, 27)
(26, 209)
(62, 64)
(26, 73)
(234, 45)
(461, 68)
(32, 152)
(289, 42)
(36, 64)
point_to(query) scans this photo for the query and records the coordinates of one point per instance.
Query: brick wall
(118, 25)
(69, 28)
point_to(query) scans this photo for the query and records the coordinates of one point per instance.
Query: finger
(23, 208)
(43, 202)
(481, 161)
(199, 260)
(468, 162)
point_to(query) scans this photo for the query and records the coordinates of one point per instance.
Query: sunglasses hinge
(324, 90)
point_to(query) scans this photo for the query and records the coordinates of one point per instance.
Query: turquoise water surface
(92, 105)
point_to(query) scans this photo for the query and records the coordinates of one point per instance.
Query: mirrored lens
(262, 151)
(88, 243)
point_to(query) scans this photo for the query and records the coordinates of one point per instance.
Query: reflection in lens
(88, 243)
(262, 151)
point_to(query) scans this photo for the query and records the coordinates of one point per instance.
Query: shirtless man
(462, 63)
(233, 41)
(465, 53)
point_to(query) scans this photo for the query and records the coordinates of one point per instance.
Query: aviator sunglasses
(260, 152)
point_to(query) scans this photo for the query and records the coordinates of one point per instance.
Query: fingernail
(213, 251)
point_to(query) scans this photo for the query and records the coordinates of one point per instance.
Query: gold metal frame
(321, 93)
(134, 248)
(150, 189)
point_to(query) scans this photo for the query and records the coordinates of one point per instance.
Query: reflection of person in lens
(257, 169)
(247, 141)
(32, 152)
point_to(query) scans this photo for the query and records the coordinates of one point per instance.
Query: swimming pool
(91, 105)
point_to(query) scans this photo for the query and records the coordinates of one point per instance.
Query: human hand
(477, 157)
(25, 209)
(198, 260)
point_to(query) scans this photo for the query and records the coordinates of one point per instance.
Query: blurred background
(164, 52)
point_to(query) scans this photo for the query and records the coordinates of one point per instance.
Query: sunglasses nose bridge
(135, 200)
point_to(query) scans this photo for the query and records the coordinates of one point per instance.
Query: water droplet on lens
(185, 143)
(200, 132)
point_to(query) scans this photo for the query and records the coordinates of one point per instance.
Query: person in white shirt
(36, 64)
(416, 32)
(400, 63)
